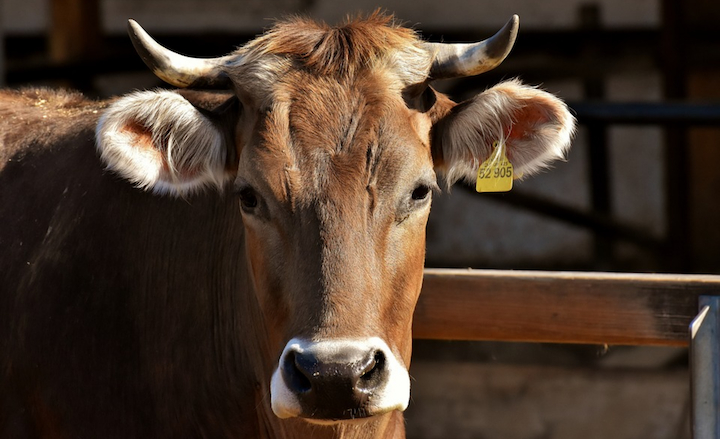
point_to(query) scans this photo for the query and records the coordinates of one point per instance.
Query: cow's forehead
(340, 118)
(322, 135)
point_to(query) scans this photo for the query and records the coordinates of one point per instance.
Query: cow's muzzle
(338, 380)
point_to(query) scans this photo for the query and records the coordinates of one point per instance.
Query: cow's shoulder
(36, 119)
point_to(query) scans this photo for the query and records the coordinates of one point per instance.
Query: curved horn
(178, 70)
(458, 60)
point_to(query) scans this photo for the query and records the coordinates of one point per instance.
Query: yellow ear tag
(495, 173)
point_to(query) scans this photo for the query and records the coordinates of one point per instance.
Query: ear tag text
(495, 173)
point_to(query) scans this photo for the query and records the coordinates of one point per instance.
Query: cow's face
(331, 145)
(335, 187)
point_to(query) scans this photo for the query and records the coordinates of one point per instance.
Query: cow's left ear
(535, 126)
(161, 142)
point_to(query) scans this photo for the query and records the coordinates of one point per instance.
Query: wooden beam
(560, 307)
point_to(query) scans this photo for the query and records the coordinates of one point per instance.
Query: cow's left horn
(178, 70)
(459, 60)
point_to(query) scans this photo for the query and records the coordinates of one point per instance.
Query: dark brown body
(121, 311)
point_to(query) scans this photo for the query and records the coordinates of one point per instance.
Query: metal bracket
(705, 369)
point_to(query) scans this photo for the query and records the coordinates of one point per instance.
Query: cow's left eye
(248, 199)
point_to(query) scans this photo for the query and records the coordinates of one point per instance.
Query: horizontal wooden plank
(560, 307)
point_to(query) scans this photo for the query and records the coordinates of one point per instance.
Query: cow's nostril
(297, 372)
(373, 373)
(373, 367)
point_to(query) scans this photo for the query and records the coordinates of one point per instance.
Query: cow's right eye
(421, 192)
(248, 199)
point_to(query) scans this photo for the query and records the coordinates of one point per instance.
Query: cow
(240, 256)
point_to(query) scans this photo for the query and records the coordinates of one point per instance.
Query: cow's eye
(421, 192)
(248, 199)
(415, 201)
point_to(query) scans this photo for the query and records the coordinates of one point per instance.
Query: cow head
(331, 142)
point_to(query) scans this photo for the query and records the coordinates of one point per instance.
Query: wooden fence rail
(560, 307)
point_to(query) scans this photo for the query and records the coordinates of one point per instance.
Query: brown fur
(355, 46)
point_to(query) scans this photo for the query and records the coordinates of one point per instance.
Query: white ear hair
(535, 126)
(160, 142)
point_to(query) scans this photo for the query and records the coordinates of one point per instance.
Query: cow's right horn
(460, 60)
(179, 70)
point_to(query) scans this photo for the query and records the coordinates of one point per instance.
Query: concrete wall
(472, 400)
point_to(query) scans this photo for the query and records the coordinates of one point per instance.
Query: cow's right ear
(161, 142)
